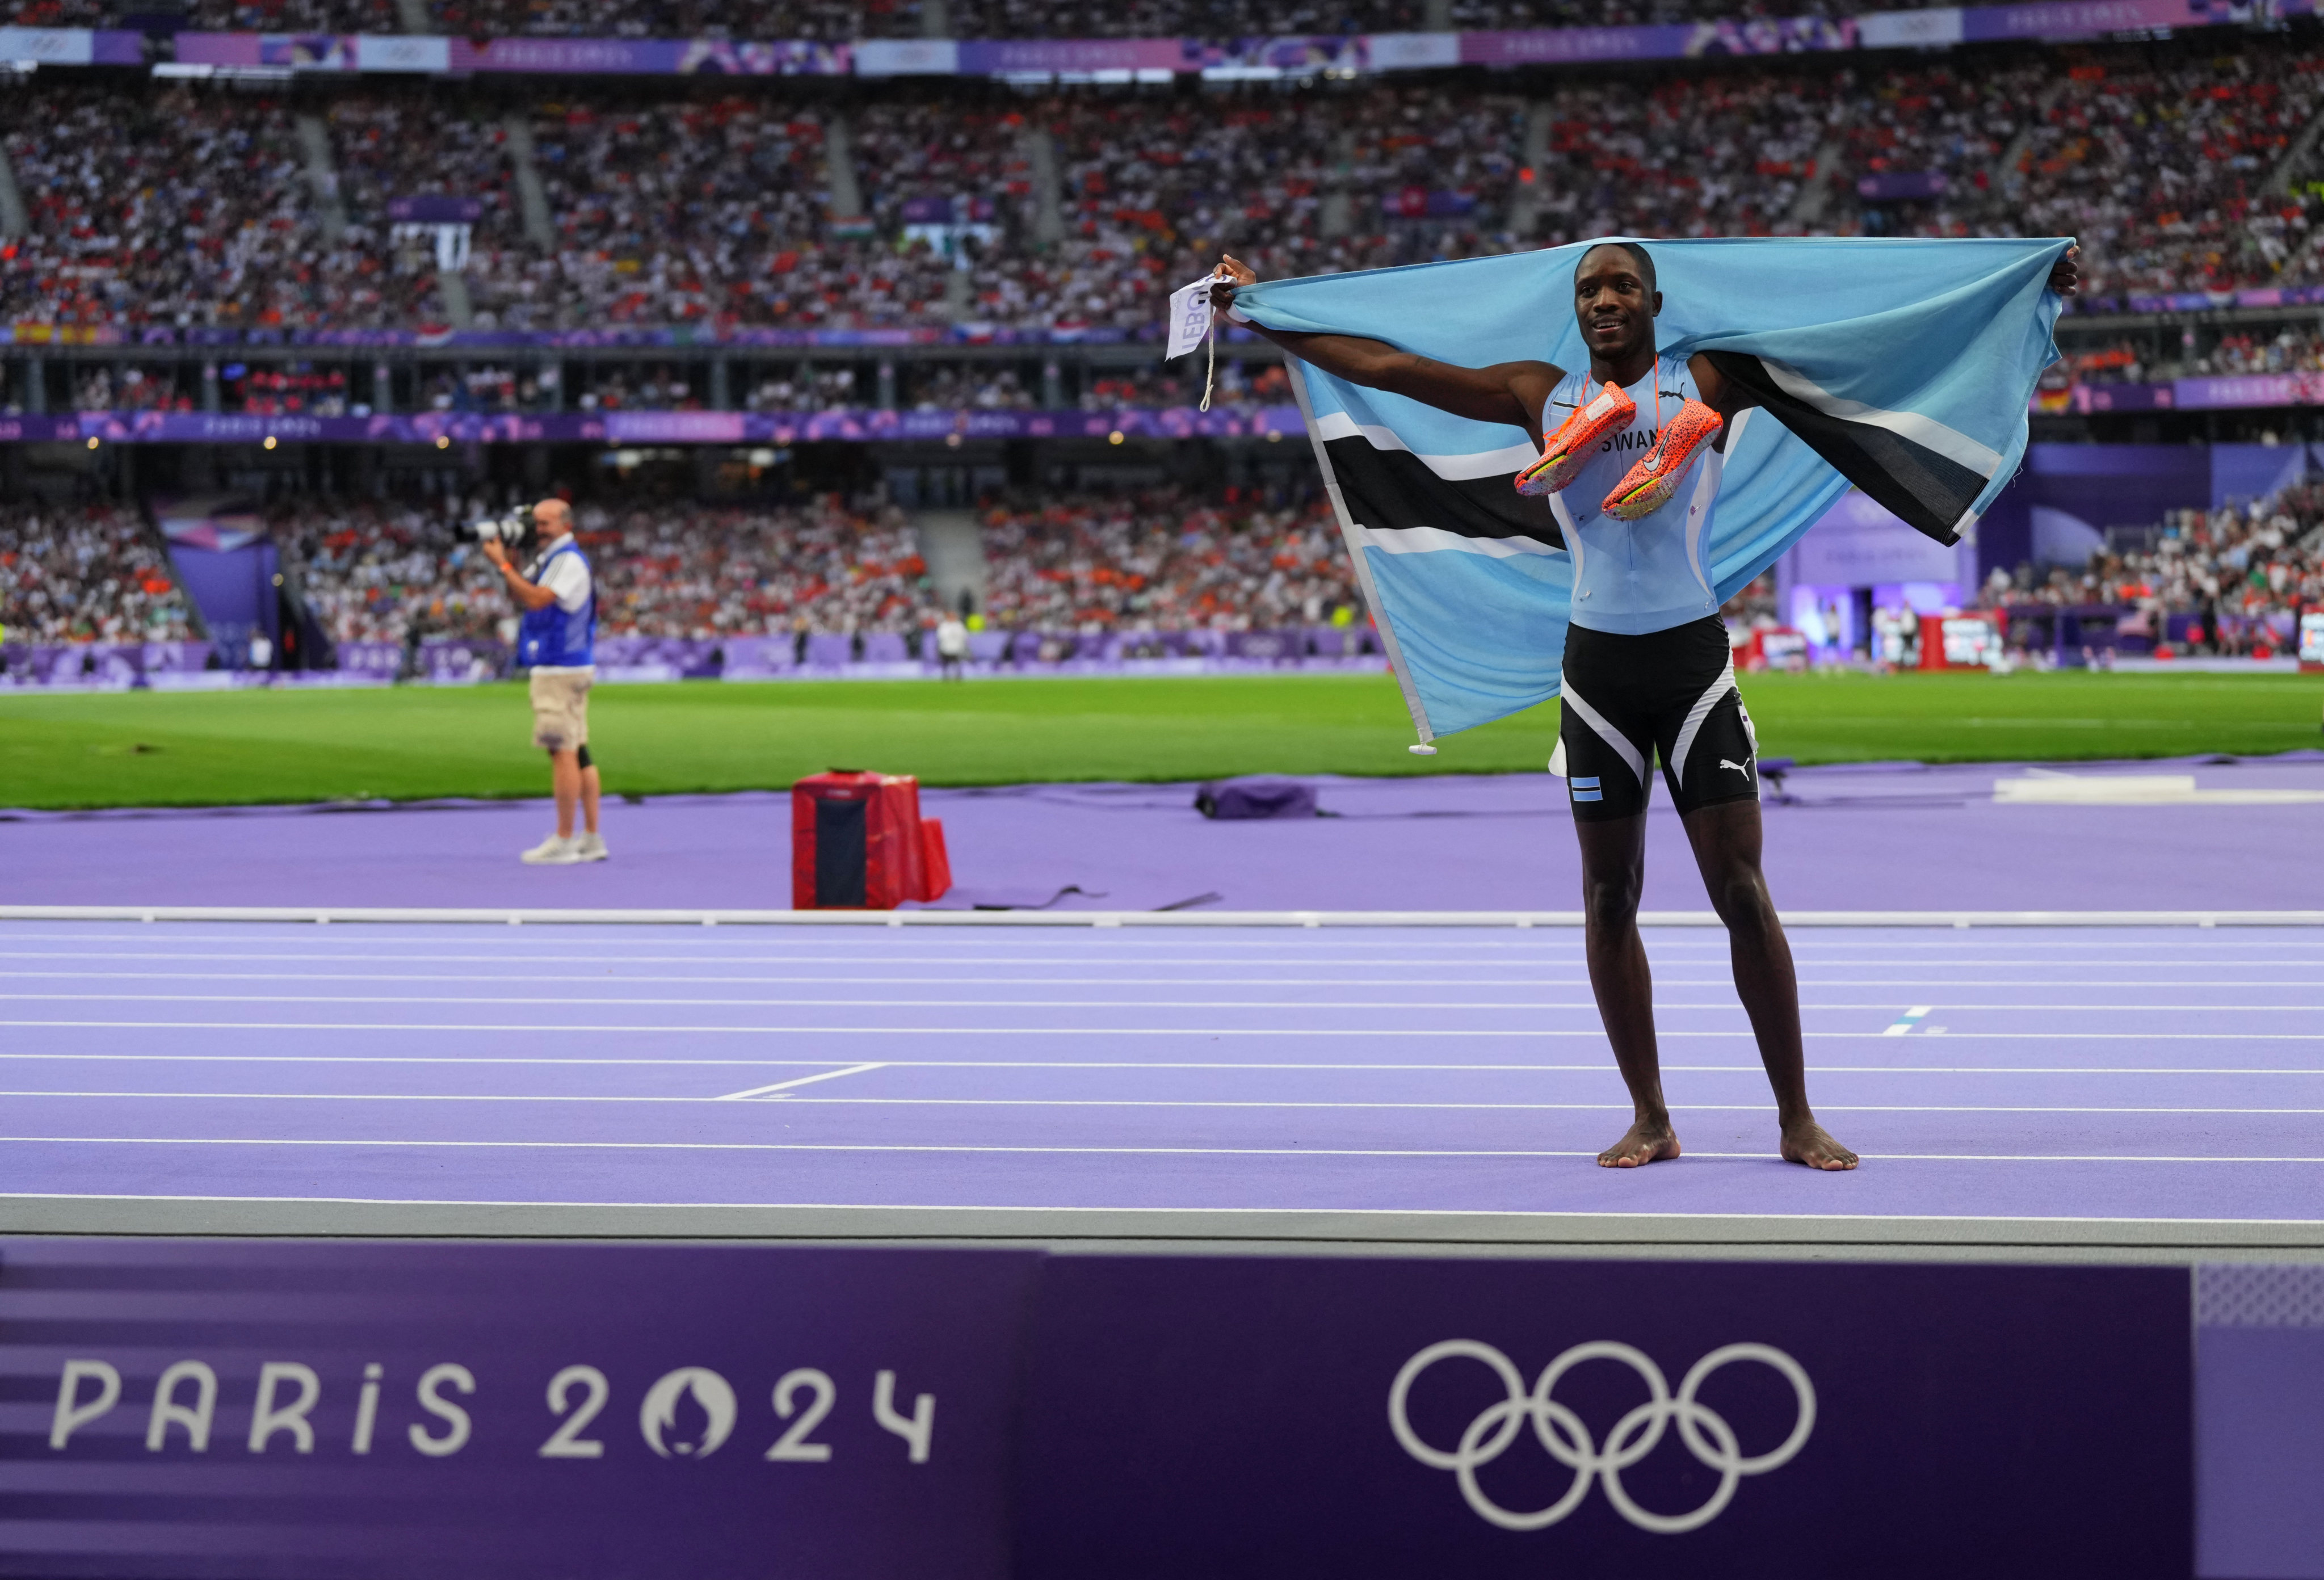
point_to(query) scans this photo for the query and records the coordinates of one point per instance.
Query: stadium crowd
(372, 572)
(72, 573)
(1160, 560)
(2290, 349)
(384, 573)
(2243, 573)
(834, 22)
(1165, 561)
(666, 207)
(369, 571)
(754, 571)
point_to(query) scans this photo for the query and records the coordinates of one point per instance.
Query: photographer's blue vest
(551, 635)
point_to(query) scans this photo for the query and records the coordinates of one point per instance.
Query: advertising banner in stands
(1071, 57)
(1145, 60)
(854, 423)
(611, 57)
(1755, 35)
(347, 1410)
(2252, 389)
(2072, 19)
(72, 46)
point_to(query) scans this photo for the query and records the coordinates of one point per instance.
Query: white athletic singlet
(1631, 577)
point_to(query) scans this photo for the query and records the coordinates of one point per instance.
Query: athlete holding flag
(1631, 455)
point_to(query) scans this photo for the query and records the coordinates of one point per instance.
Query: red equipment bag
(858, 843)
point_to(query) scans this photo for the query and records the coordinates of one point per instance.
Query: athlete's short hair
(1644, 259)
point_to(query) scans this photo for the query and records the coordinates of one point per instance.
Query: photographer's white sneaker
(558, 850)
(592, 847)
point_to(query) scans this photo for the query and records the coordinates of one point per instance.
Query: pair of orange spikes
(1648, 485)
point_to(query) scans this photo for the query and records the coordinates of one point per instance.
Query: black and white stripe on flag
(1929, 476)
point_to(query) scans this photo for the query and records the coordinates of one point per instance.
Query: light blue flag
(1904, 366)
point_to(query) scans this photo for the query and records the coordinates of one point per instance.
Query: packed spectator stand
(82, 574)
(1155, 561)
(1076, 210)
(2231, 581)
(1164, 561)
(834, 22)
(302, 222)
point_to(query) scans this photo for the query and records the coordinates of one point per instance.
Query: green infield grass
(208, 748)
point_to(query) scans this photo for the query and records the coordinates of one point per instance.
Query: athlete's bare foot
(1808, 1142)
(1646, 1142)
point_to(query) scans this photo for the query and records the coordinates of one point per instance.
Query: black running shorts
(1670, 694)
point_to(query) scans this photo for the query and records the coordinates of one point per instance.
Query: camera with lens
(509, 529)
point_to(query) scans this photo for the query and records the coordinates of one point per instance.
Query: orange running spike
(1569, 450)
(1648, 487)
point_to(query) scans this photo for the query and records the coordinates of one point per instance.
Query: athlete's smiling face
(1616, 305)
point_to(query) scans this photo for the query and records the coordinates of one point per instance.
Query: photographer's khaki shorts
(560, 709)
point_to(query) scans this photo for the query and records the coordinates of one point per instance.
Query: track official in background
(557, 640)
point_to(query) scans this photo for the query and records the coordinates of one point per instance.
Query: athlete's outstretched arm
(1507, 391)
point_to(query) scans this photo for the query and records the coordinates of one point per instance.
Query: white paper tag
(1190, 316)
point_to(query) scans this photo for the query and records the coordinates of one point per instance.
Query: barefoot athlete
(1631, 457)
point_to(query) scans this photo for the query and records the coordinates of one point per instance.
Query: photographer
(557, 638)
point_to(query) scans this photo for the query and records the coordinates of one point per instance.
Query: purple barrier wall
(450, 660)
(334, 1410)
(1257, 1418)
(757, 657)
(98, 662)
(508, 1411)
(455, 659)
(687, 656)
(2259, 1454)
(384, 658)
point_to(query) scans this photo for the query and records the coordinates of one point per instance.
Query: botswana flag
(1903, 367)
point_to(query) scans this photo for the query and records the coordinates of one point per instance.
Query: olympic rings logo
(1705, 1433)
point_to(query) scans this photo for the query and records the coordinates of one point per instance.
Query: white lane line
(1759, 1107)
(957, 1148)
(302, 936)
(1365, 979)
(796, 1081)
(1311, 959)
(1321, 1066)
(1911, 1017)
(535, 1027)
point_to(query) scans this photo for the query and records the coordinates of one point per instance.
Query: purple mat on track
(2063, 1074)
(1878, 838)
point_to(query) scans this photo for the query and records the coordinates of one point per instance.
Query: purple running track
(2113, 1073)
(1880, 837)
